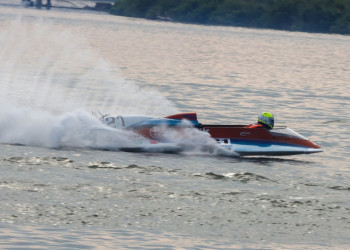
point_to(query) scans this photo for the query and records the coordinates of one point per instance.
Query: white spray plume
(193, 140)
(50, 80)
(75, 129)
(45, 66)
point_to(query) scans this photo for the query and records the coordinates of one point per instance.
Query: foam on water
(75, 129)
(194, 141)
(50, 81)
(28, 126)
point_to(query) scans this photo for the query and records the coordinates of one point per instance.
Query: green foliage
(302, 15)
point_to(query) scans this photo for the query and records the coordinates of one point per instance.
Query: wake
(79, 129)
(46, 95)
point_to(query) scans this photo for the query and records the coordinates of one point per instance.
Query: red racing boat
(238, 138)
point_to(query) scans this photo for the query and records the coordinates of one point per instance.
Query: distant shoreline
(330, 19)
(315, 16)
(97, 7)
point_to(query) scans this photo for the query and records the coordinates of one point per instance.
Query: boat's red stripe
(235, 132)
(186, 116)
(241, 133)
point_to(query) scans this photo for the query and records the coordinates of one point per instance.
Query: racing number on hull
(155, 132)
(223, 140)
(245, 133)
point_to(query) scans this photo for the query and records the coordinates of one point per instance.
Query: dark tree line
(326, 16)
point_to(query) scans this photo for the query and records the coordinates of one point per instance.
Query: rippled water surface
(58, 192)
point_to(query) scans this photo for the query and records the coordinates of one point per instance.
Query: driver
(265, 120)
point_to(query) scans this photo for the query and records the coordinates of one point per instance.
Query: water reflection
(15, 237)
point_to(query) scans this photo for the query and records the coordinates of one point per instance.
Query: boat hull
(246, 149)
(241, 139)
(259, 141)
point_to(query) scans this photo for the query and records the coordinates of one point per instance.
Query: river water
(58, 188)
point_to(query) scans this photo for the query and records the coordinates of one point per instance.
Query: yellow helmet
(267, 119)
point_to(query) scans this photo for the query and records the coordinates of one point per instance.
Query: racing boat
(238, 138)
